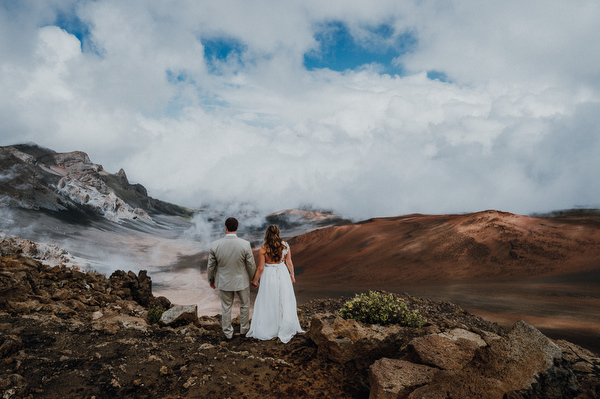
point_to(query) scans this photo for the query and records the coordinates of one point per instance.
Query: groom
(230, 268)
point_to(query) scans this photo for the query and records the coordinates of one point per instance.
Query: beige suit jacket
(231, 263)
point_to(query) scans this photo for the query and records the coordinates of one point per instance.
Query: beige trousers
(226, 305)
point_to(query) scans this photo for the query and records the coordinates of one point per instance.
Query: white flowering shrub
(378, 308)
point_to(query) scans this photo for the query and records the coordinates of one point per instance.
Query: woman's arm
(290, 264)
(260, 267)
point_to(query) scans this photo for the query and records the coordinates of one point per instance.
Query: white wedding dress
(275, 312)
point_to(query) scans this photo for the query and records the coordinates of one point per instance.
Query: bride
(275, 313)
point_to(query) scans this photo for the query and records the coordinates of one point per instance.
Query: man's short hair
(231, 224)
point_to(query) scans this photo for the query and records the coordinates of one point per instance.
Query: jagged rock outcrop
(442, 352)
(345, 340)
(28, 286)
(70, 185)
(138, 288)
(585, 365)
(525, 364)
(452, 357)
(47, 253)
(95, 194)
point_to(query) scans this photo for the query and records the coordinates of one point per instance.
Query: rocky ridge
(48, 254)
(65, 333)
(71, 186)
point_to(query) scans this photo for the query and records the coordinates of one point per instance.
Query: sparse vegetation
(154, 314)
(379, 308)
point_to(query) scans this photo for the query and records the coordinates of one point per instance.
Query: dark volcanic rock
(524, 364)
(395, 378)
(65, 333)
(27, 285)
(529, 365)
(345, 340)
(459, 356)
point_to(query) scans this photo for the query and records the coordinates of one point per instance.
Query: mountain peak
(35, 177)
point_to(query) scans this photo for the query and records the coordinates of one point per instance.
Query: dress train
(275, 311)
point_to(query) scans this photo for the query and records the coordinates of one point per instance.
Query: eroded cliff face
(49, 254)
(32, 177)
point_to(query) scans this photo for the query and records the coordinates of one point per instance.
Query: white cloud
(549, 42)
(515, 128)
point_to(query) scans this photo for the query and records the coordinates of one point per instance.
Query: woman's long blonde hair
(273, 243)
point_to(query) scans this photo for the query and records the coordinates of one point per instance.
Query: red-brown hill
(489, 246)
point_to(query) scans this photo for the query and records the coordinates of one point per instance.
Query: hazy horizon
(368, 110)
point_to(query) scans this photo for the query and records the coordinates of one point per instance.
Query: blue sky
(71, 23)
(375, 109)
(339, 50)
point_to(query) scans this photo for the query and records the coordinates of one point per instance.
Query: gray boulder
(455, 363)
(344, 340)
(439, 351)
(394, 378)
(525, 364)
(179, 315)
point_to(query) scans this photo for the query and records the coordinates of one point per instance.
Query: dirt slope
(487, 246)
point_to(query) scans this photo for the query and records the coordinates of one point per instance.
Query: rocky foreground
(69, 334)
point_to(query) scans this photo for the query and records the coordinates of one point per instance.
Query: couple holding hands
(231, 266)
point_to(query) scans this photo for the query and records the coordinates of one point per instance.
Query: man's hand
(254, 285)
(213, 286)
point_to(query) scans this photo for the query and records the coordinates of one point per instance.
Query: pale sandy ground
(186, 283)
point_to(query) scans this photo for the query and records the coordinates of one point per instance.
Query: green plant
(155, 314)
(379, 308)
